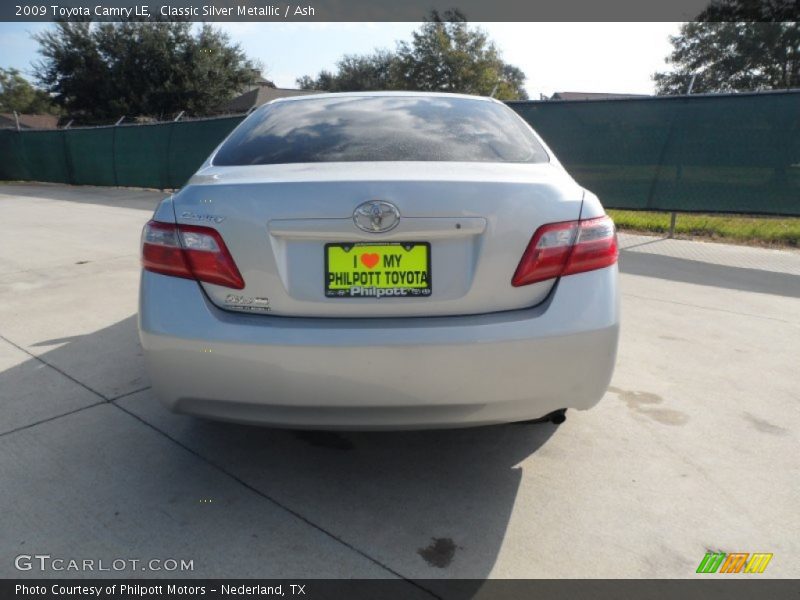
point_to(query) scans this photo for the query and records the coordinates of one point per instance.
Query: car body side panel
(165, 211)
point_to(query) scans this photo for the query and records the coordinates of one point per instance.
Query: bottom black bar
(702, 588)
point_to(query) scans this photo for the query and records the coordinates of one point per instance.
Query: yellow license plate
(364, 270)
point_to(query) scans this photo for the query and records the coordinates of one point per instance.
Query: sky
(556, 57)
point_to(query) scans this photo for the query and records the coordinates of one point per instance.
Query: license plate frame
(408, 283)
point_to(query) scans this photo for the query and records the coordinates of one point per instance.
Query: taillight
(595, 248)
(189, 251)
(567, 248)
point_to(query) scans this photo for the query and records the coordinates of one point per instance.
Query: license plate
(364, 270)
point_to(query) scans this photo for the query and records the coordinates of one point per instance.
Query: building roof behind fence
(28, 121)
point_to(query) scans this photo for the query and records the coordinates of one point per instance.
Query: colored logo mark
(734, 562)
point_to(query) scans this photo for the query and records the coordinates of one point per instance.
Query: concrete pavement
(693, 448)
(771, 260)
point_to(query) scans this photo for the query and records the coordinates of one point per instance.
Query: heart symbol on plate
(370, 260)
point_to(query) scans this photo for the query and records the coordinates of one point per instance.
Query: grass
(743, 229)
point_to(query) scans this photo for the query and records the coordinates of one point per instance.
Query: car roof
(385, 94)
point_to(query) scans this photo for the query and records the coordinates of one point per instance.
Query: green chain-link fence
(736, 153)
(162, 155)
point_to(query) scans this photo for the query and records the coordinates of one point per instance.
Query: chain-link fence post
(673, 216)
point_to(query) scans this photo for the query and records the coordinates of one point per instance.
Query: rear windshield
(381, 128)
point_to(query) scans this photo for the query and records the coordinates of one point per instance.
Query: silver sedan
(380, 260)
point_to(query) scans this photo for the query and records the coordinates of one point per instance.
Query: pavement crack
(55, 368)
(131, 393)
(53, 418)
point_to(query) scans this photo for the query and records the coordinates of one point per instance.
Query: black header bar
(404, 10)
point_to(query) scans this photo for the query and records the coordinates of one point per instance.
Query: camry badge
(190, 216)
(376, 216)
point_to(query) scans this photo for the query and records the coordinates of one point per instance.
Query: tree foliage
(99, 72)
(17, 94)
(728, 56)
(444, 55)
(751, 11)
(353, 73)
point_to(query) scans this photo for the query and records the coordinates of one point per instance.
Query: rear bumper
(380, 373)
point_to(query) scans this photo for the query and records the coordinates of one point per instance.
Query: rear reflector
(189, 251)
(559, 249)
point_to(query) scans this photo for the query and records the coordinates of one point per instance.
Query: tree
(444, 55)
(727, 56)
(99, 72)
(17, 94)
(751, 10)
(366, 72)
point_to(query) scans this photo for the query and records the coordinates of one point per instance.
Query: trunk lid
(475, 218)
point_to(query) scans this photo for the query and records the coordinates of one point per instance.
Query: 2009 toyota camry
(380, 260)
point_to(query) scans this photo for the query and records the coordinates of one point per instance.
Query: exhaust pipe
(557, 417)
